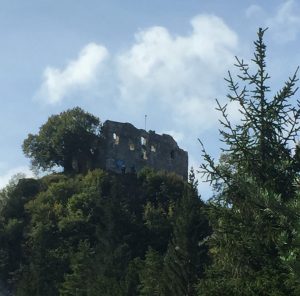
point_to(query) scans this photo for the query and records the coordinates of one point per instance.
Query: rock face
(127, 149)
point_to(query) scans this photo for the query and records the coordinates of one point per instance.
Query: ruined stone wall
(128, 149)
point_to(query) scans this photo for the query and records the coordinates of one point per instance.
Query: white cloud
(180, 75)
(160, 74)
(253, 11)
(6, 177)
(285, 25)
(79, 73)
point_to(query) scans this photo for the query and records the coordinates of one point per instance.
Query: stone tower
(128, 149)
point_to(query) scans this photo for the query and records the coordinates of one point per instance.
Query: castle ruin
(127, 149)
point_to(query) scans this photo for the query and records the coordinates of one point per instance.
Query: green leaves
(69, 140)
(151, 275)
(81, 234)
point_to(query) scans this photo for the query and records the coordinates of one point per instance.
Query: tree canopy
(95, 234)
(69, 140)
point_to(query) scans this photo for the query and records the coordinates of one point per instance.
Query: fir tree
(254, 213)
(79, 280)
(186, 256)
(151, 275)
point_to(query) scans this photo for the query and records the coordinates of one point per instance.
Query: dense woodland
(85, 231)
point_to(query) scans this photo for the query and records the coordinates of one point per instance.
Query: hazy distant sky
(122, 59)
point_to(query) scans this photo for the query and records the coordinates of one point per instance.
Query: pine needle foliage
(255, 210)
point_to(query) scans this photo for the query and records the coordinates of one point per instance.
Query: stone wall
(128, 149)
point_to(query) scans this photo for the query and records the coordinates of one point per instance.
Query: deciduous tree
(69, 140)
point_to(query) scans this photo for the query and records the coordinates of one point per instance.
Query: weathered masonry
(127, 149)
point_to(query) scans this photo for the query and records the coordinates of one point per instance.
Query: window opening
(153, 149)
(131, 146)
(144, 154)
(116, 139)
(143, 141)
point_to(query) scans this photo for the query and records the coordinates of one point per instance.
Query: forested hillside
(102, 234)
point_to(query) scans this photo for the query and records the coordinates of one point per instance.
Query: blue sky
(123, 59)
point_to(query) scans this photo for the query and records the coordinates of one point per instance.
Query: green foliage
(81, 234)
(13, 220)
(151, 275)
(69, 140)
(175, 271)
(254, 213)
(186, 255)
(81, 278)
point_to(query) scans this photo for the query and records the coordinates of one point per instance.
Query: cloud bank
(160, 73)
(180, 74)
(284, 24)
(80, 73)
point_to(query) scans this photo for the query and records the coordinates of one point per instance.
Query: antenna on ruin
(145, 122)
